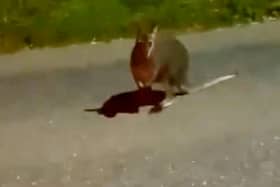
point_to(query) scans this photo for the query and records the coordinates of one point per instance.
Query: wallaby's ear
(152, 40)
(138, 33)
(155, 31)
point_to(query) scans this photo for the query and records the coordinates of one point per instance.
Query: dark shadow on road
(129, 102)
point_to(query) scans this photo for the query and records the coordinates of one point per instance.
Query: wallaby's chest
(142, 66)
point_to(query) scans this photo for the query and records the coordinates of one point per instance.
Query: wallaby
(160, 58)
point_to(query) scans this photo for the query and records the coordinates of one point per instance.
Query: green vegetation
(59, 22)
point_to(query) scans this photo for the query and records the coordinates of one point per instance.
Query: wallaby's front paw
(155, 109)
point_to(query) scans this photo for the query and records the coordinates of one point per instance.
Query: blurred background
(38, 23)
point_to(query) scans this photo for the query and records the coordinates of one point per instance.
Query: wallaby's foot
(181, 90)
(158, 108)
(155, 109)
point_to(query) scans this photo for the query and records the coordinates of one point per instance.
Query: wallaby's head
(145, 40)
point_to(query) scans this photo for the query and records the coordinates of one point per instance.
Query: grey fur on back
(169, 50)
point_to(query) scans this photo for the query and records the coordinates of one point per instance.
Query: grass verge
(39, 23)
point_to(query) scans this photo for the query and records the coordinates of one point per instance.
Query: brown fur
(142, 67)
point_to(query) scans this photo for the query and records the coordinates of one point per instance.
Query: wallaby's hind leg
(181, 85)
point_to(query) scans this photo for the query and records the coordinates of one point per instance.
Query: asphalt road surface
(225, 136)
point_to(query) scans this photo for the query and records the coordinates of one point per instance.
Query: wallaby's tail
(92, 110)
(212, 82)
